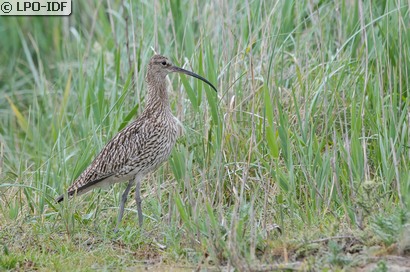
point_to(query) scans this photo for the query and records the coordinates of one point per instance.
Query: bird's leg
(138, 199)
(122, 204)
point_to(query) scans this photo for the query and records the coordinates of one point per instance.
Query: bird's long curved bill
(180, 70)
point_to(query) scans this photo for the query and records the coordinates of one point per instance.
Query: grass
(301, 161)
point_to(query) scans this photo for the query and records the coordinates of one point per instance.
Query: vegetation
(301, 161)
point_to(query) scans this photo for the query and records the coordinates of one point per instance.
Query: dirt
(390, 263)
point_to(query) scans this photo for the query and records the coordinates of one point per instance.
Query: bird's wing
(114, 157)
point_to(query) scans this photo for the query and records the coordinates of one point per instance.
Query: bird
(139, 148)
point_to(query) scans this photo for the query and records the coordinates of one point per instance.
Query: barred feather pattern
(139, 148)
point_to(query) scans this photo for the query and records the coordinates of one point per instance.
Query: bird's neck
(157, 97)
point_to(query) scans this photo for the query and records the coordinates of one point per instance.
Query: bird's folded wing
(114, 157)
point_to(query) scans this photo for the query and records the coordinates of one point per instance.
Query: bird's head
(159, 67)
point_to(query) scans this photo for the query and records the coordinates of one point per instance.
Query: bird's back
(138, 149)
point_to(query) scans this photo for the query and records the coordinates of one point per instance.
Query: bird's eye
(164, 63)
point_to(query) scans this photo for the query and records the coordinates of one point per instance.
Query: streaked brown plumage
(142, 146)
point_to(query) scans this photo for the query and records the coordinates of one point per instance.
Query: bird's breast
(157, 146)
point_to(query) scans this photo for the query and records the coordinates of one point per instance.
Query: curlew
(139, 148)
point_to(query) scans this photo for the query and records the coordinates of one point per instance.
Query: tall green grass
(309, 130)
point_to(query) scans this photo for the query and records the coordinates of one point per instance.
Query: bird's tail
(61, 197)
(76, 189)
